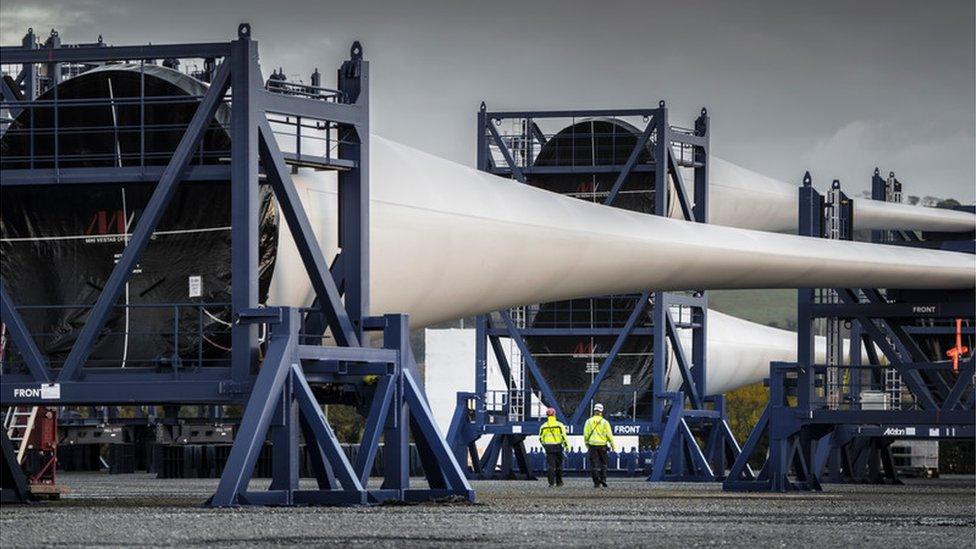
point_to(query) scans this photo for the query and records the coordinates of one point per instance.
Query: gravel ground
(139, 510)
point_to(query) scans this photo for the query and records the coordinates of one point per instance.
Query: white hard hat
(598, 408)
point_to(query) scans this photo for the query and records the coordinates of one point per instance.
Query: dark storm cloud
(834, 87)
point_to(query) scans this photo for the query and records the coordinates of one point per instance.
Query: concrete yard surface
(140, 510)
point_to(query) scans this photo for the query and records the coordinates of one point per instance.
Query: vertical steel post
(353, 80)
(660, 306)
(811, 225)
(699, 335)
(284, 441)
(878, 192)
(396, 434)
(245, 202)
(31, 87)
(482, 159)
(481, 321)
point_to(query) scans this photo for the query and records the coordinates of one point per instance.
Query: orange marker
(959, 350)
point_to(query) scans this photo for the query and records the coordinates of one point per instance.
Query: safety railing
(175, 336)
(595, 312)
(624, 404)
(131, 131)
(868, 387)
(307, 91)
(597, 147)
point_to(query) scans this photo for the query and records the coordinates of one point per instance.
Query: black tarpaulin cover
(60, 243)
(568, 363)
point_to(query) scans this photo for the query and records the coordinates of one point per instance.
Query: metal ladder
(892, 378)
(835, 341)
(892, 388)
(19, 422)
(516, 392)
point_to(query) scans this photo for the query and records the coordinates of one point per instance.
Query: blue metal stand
(819, 423)
(14, 487)
(283, 404)
(278, 390)
(679, 418)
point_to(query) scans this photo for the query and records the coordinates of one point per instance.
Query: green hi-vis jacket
(553, 432)
(597, 432)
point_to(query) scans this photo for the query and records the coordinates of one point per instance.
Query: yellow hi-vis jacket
(597, 432)
(553, 432)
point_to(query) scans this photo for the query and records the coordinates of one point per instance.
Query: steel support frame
(809, 445)
(679, 450)
(279, 403)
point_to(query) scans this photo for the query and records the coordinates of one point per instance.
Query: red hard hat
(550, 411)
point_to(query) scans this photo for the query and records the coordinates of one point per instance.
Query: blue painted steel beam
(537, 133)
(910, 377)
(257, 415)
(318, 462)
(20, 55)
(704, 469)
(701, 172)
(499, 352)
(379, 411)
(369, 355)
(660, 349)
(245, 80)
(428, 430)
(342, 113)
(688, 385)
(740, 469)
(283, 435)
(892, 310)
(679, 185)
(325, 437)
(318, 162)
(396, 432)
(584, 113)
(140, 374)
(308, 248)
(16, 488)
(11, 99)
(128, 392)
(509, 159)
(893, 417)
(964, 382)
(688, 139)
(22, 338)
(639, 147)
(127, 174)
(314, 324)
(668, 440)
(354, 190)
(151, 215)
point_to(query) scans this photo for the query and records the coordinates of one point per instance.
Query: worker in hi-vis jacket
(552, 436)
(597, 434)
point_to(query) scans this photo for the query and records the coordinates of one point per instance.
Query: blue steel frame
(674, 415)
(810, 444)
(276, 391)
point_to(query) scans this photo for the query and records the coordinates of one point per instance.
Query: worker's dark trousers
(554, 463)
(599, 460)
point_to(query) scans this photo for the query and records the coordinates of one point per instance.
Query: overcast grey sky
(836, 87)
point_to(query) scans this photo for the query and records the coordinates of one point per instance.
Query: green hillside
(770, 307)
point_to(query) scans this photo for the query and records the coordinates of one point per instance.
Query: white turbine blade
(449, 241)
